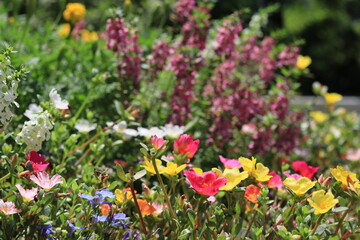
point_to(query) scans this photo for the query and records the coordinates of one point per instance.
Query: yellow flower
(150, 167)
(74, 12)
(256, 170)
(172, 168)
(127, 2)
(342, 175)
(303, 62)
(87, 36)
(64, 30)
(233, 177)
(332, 98)
(123, 195)
(300, 186)
(319, 117)
(322, 202)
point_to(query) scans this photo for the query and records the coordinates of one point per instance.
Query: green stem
(342, 219)
(153, 160)
(318, 221)
(250, 224)
(137, 205)
(5, 177)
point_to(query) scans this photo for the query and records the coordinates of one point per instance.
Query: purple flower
(100, 195)
(74, 228)
(98, 218)
(46, 229)
(105, 193)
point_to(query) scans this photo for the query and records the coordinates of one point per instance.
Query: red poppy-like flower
(275, 181)
(208, 183)
(251, 193)
(304, 169)
(37, 161)
(186, 144)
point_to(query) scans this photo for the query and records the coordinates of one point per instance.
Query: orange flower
(251, 193)
(145, 207)
(105, 209)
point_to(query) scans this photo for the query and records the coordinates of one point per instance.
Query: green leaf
(321, 228)
(120, 173)
(340, 209)
(140, 174)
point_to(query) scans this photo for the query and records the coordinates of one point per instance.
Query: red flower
(275, 181)
(37, 161)
(251, 193)
(185, 144)
(208, 183)
(304, 169)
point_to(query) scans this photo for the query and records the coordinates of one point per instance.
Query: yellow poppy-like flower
(87, 36)
(256, 170)
(322, 202)
(150, 167)
(64, 30)
(74, 12)
(233, 177)
(303, 62)
(319, 117)
(300, 186)
(172, 168)
(332, 98)
(342, 175)
(123, 195)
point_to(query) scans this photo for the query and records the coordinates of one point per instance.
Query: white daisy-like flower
(173, 131)
(57, 101)
(33, 110)
(129, 133)
(153, 131)
(83, 125)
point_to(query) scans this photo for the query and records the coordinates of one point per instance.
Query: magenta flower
(230, 163)
(8, 207)
(42, 179)
(37, 161)
(27, 194)
(304, 169)
(208, 183)
(295, 175)
(158, 143)
(186, 144)
(275, 181)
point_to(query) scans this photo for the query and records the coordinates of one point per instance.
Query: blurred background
(329, 29)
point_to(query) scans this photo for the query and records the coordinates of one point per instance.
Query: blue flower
(90, 198)
(105, 193)
(46, 229)
(98, 218)
(74, 228)
(100, 195)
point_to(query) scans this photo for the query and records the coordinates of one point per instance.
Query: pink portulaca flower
(208, 183)
(27, 194)
(275, 181)
(37, 161)
(8, 207)
(230, 163)
(43, 180)
(158, 143)
(304, 169)
(295, 175)
(186, 144)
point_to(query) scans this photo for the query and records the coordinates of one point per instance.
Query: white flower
(35, 131)
(83, 125)
(148, 133)
(129, 133)
(33, 110)
(57, 101)
(173, 131)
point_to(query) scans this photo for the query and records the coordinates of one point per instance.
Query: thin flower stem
(342, 219)
(5, 177)
(153, 160)
(318, 221)
(250, 224)
(137, 204)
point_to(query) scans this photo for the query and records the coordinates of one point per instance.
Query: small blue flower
(105, 193)
(98, 218)
(74, 228)
(46, 229)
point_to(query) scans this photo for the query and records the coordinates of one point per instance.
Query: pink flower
(37, 161)
(353, 154)
(185, 144)
(27, 194)
(304, 169)
(230, 163)
(42, 179)
(158, 143)
(8, 207)
(275, 181)
(206, 184)
(295, 175)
